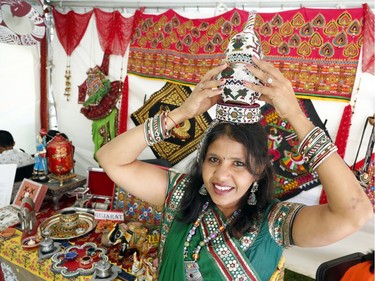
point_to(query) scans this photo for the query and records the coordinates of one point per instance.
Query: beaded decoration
(210, 237)
(155, 129)
(316, 147)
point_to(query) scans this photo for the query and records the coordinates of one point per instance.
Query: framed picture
(36, 191)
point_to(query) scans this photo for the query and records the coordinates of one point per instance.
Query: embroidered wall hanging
(169, 46)
(369, 186)
(368, 56)
(136, 209)
(21, 10)
(316, 49)
(292, 174)
(104, 130)
(97, 93)
(185, 138)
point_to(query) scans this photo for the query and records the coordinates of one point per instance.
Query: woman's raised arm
(348, 207)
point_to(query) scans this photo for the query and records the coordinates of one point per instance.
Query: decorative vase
(240, 51)
(60, 156)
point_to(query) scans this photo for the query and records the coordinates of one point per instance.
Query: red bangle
(175, 124)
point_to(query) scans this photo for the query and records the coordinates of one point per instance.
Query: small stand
(62, 178)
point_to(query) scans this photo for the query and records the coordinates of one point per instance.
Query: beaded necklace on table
(210, 237)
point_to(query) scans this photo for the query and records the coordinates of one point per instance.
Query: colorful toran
(316, 49)
(169, 46)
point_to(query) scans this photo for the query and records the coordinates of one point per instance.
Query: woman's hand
(277, 90)
(205, 95)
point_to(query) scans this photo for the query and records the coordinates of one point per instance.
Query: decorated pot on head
(60, 155)
(239, 104)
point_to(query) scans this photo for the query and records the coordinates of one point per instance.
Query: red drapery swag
(114, 31)
(70, 28)
(368, 41)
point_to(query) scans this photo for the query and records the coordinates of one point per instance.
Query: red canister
(60, 155)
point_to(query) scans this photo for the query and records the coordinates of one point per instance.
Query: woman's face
(225, 173)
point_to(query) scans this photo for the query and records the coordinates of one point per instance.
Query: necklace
(191, 267)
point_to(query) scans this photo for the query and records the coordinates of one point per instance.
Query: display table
(19, 263)
(22, 264)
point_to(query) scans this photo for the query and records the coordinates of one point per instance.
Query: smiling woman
(221, 216)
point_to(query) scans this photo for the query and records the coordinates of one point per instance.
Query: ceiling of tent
(208, 3)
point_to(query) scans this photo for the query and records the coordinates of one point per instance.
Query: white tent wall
(20, 94)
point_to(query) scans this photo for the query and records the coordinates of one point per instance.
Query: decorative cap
(239, 104)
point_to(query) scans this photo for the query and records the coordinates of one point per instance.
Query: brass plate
(86, 223)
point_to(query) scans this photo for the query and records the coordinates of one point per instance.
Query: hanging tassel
(67, 80)
(341, 140)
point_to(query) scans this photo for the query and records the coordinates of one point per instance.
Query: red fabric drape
(341, 140)
(122, 127)
(44, 116)
(114, 31)
(368, 40)
(70, 28)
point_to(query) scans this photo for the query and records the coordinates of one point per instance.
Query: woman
(220, 221)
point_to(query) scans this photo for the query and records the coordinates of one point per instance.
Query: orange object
(359, 272)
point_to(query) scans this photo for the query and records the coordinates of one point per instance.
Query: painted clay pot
(240, 51)
(60, 156)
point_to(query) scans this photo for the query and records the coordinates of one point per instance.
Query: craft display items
(47, 247)
(79, 262)
(70, 29)
(363, 173)
(69, 219)
(60, 159)
(143, 269)
(130, 235)
(40, 171)
(104, 270)
(27, 215)
(65, 225)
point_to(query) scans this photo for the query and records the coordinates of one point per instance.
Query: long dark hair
(254, 138)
